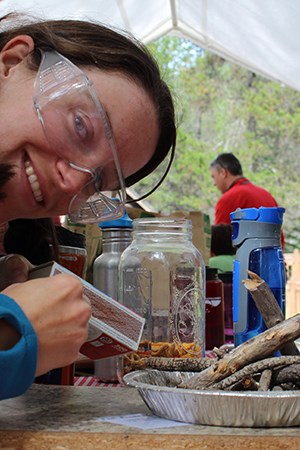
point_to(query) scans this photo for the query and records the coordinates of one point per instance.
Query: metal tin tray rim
(131, 379)
(214, 407)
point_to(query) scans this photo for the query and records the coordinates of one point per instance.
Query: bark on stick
(255, 349)
(268, 306)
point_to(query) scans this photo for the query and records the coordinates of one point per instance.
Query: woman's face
(43, 183)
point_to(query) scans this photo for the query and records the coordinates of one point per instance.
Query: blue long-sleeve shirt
(18, 364)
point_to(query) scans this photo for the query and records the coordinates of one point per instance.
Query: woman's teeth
(32, 178)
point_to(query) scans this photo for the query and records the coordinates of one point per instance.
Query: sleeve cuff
(18, 364)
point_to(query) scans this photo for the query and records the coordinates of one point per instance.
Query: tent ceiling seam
(123, 14)
(174, 13)
(204, 21)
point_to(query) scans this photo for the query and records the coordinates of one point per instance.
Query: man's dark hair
(221, 241)
(229, 162)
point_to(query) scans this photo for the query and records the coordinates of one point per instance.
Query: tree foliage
(224, 107)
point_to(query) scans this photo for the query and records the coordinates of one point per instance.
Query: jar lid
(211, 273)
(123, 222)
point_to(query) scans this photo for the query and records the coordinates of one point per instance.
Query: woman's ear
(14, 52)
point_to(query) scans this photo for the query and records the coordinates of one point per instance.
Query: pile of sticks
(252, 365)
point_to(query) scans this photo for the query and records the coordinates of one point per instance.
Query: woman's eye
(80, 127)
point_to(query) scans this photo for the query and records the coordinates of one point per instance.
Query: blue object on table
(256, 235)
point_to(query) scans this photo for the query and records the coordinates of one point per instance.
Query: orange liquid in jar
(73, 259)
(74, 262)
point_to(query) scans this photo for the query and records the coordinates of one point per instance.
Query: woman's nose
(71, 179)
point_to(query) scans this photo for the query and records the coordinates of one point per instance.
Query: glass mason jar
(162, 278)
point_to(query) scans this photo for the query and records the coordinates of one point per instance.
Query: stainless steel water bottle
(256, 235)
(116, 236)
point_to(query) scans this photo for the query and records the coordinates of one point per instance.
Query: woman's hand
(59, 315)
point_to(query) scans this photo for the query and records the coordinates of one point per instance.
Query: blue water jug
(256, 235)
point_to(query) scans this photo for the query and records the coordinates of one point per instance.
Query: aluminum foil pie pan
(211, 407)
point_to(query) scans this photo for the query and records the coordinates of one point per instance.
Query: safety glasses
(78, 130)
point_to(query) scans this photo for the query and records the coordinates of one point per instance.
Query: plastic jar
(162, 278)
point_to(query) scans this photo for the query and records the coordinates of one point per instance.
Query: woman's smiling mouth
(34, 183)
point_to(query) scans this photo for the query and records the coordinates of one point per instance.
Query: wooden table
(67, 417)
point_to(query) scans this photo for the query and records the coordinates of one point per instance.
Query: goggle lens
(77, 129)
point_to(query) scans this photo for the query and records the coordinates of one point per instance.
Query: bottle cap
(264, 214)
(123, 222)
(211, 273)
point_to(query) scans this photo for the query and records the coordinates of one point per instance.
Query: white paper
(142, 421)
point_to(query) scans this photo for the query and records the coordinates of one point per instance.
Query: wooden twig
(172, 364)
(256, 367)
(221, 351)
(288, 387)
(268, 306)
(287, 374)
(265, 380)
(256, 348)
(249, 384)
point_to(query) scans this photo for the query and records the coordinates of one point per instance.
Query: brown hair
(221, 240)
(93, 44)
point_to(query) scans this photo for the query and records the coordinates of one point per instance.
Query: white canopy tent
(261, 35)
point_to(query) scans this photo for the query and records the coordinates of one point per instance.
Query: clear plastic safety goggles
(77, 129)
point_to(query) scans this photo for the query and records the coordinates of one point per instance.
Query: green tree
(223, 107)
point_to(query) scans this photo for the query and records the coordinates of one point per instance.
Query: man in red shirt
(237, 191)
